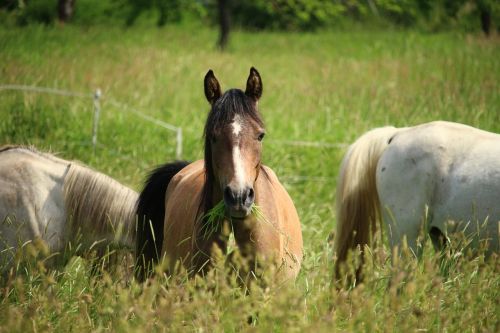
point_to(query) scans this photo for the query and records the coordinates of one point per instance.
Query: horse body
(231, 173)
(182, 201)
(275, 236)
(438, 177)
(48, 198)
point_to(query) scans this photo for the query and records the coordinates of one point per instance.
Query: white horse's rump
(443, 173)
(42, 196)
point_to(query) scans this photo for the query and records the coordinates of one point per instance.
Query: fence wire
(96, 97)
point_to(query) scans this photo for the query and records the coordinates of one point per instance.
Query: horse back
(182, 206)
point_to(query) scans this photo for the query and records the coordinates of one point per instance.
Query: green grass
(215, 216)
(329, 87)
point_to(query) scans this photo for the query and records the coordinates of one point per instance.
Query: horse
(438, 178)
(43, 197)
(174, 206)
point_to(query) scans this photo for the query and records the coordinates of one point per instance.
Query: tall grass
(329, 87)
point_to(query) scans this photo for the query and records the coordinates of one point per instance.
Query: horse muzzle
(239, 202)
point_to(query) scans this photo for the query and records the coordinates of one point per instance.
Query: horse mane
(151, 216)
(99, 204)
(95, 202)
(232, 102)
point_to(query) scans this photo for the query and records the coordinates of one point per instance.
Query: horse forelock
(233, 103)
(100, 204)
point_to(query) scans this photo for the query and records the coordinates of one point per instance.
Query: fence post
(178, 151)
(97, 110)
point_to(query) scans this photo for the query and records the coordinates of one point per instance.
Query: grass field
(329, 87)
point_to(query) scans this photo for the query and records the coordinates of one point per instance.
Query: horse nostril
(249, 196)
(229, 196)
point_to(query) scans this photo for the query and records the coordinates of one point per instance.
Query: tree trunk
(485, 21)
(224, 23)
(65, 9)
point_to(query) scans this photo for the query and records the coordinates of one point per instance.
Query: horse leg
(259, 244)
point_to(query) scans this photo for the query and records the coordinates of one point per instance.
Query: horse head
(233, 143)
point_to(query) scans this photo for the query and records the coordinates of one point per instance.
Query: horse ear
(212, 87)
(254, 85)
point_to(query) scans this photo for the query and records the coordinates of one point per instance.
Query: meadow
(321, 91)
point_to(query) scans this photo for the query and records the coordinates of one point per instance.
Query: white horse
(48, 198)
(436, 178)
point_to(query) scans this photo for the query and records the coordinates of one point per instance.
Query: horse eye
(261, 136)
(213, 139)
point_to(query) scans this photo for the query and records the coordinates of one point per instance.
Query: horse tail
(151, 215)
(357, 200)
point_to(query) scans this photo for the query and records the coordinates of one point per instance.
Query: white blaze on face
(239, 170)
(236, 127)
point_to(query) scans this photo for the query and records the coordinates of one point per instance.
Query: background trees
(294, 15)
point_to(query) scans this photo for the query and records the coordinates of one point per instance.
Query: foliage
(88, 12)
(328, 87)
(43, 11)
(290, 15)
(286, 14)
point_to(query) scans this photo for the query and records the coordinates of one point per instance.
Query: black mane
(151, 217)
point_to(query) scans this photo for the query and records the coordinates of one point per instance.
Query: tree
(224, 22)
(65, 9)
(485, 16)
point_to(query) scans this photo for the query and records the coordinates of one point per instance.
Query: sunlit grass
(329, 87)
(213, 219)
(403, 294)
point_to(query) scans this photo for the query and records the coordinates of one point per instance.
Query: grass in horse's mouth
(215, 215)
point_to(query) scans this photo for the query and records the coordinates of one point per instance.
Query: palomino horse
(48, 198)
(437, 178)
(232, 173)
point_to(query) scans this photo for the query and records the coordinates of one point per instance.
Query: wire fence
(96, 100)
(96, 97)
(312, 144)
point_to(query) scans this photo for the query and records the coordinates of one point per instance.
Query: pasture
(321, 92)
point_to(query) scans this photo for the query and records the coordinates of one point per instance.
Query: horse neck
(100, 207)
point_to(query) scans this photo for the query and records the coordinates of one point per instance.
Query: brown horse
(173, 206)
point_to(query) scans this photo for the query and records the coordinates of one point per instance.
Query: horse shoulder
(287, 219)
(280, 196)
